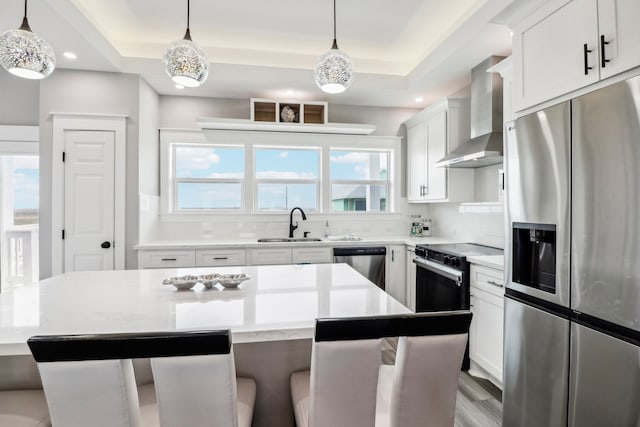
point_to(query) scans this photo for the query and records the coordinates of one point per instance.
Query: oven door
(440, 288)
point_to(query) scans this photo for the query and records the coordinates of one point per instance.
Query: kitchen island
(271, 316)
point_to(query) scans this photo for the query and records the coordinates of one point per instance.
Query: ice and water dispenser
(534, 255)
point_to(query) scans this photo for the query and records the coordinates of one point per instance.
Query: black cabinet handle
(586, 51)
(603, 56)
(105, 245)
(220, 257)
(168, 259)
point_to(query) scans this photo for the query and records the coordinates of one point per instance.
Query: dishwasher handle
(362, 250)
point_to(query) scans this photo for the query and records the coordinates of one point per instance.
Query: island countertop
(278, 303)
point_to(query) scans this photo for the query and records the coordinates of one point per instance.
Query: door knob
(105, 245)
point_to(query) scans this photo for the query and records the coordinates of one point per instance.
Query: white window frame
(318, 181)
(283, 140)
(385, 183)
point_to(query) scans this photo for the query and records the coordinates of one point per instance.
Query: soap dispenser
(327, 230)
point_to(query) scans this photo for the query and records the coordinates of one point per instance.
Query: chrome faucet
(291, 226)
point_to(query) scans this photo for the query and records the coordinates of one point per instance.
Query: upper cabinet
(569, 44)
(431, 134)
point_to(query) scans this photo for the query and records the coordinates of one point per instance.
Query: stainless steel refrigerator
(572, 263)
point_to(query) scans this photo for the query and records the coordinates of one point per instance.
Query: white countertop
(253, 243)
(493, 261)
(277, 303)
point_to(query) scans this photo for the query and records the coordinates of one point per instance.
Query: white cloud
(351, 157)
(284, 175)
(283, 154)
(198, 158)
(225, 175)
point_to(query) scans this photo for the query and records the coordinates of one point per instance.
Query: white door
(89, 194)
(618, 27)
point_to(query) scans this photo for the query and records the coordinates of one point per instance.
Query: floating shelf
(251, 125)
(271, 110)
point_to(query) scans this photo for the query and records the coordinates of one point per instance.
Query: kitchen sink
(288, 239)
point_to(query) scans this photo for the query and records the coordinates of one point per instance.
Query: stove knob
(446, 260)
(455, 262)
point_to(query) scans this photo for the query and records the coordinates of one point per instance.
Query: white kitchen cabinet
(395, 284)
(431, 134)
(410, 274)
(559, 48)
(167, 259)
(311, 255)
(220, 257)
(486, 332)
(270, 256)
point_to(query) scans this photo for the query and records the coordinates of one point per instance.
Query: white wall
(19, 100)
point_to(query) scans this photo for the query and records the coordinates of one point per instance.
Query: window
(286, 178)
(359, 180)
(218, 172)
(208, 177)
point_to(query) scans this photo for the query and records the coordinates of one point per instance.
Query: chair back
(427, 367)
(89, 379)
(346, 361)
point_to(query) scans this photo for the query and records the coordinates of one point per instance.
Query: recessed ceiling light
(179, 87)
(291, 92)
(70, 55)
(511, 33)
(419, 99)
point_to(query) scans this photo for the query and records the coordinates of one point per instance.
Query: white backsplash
(483, 224)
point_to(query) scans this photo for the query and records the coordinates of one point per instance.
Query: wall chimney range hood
(485, 146)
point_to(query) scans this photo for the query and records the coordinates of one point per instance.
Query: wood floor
(479, 402)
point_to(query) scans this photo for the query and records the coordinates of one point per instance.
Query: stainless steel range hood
(485, 146)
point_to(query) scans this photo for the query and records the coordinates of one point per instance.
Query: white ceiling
(257, 48)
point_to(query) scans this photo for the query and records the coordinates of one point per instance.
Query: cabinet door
(220, 257)
(416, 163)
(486, 347)
(411, 279)
(395, 283)
(311, 255)
(618, 25)
(270, 256)
(436, 150)
(549, 51)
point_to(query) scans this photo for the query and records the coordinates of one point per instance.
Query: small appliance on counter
(419, 226)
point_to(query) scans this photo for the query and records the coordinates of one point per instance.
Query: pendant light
(334, 69)
(25, 54)
(185, 62)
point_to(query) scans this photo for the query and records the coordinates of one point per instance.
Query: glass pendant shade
(334, 71)
(25, 54)
(185, 63)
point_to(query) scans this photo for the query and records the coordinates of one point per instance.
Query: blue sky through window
(26, 189)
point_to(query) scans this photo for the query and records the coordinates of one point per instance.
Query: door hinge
(63, 234)
(64, 156)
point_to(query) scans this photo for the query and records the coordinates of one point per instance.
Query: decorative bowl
(181, 283)
(232, 280)
(208, 280)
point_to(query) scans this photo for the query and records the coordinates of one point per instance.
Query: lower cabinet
(306, 255)
(395, 283)
(486, 333)
(410, 274)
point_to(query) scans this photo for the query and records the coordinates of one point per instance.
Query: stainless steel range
(442, 276)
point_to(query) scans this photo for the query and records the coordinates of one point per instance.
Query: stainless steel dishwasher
(368, 261)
